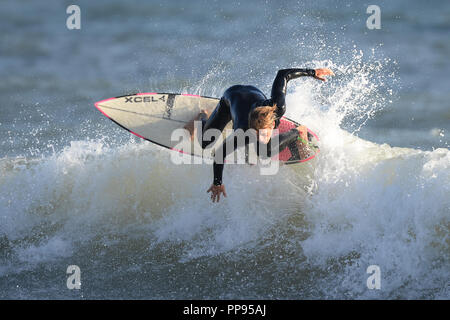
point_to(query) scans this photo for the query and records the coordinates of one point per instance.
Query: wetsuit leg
(218, 119)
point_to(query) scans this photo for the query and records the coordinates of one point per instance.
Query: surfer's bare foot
(302, 144)
(303, 131)
(190, 126)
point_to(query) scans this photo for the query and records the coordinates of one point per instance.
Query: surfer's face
(265, 134)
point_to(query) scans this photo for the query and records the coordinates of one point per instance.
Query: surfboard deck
(155, 117)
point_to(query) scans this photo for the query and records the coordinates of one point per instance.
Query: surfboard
(160, 118)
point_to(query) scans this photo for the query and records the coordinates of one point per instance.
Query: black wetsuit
(237, 103)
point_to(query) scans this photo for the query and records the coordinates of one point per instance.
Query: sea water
(75, 189)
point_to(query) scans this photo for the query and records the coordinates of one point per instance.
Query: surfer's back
(241, 99)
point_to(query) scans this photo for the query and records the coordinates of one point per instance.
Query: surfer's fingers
(324, 72)
(224, 192)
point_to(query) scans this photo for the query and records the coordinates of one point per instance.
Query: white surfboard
(155, 117)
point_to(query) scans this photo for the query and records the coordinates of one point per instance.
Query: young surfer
(248, 108)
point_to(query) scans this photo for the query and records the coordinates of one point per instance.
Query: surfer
(248, 108)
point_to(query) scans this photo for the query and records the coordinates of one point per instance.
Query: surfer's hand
(216, 191)
(303, 131)
(321, 73)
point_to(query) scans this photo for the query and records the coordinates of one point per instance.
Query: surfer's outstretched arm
(280, 85)
(284, 76)
(217, 188)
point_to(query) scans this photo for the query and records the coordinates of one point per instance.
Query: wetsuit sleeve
(284, 139)
(280, 84)
(218, 172)
(219, 162)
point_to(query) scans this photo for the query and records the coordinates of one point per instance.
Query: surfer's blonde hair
(262, 117)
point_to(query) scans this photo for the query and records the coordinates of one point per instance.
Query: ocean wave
(310, 231)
